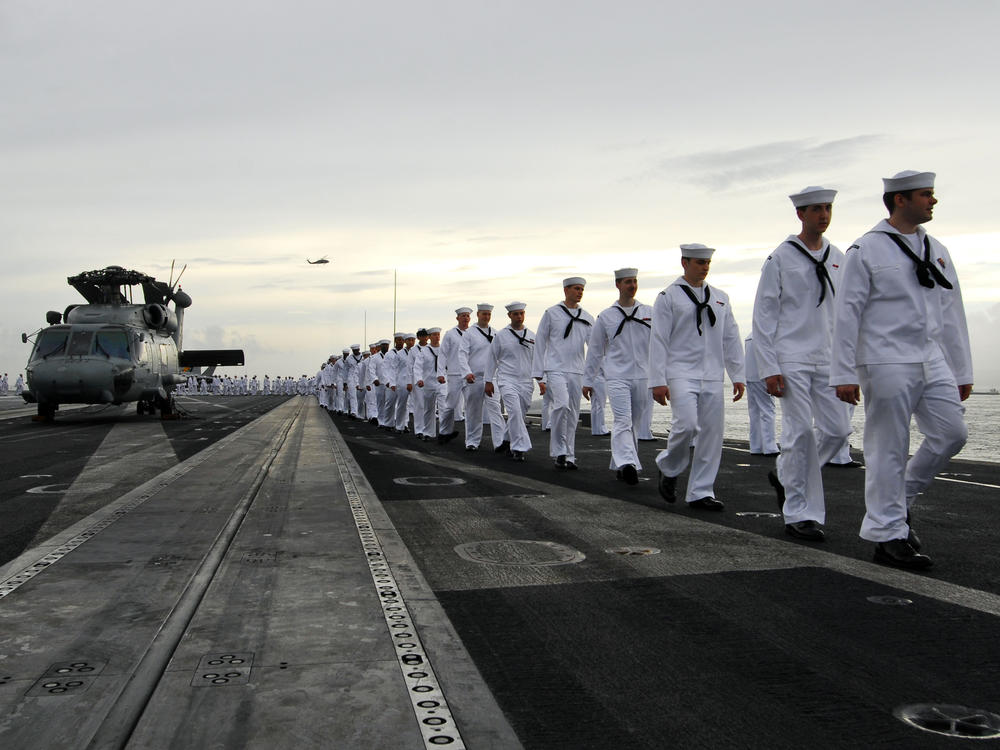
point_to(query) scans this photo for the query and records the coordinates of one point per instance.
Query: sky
(475, 151)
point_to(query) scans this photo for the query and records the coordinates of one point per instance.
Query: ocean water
(982, 414)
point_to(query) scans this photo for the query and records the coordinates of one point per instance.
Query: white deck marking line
(430, 708)
(111, 512)
(940, 479)
(966, 481)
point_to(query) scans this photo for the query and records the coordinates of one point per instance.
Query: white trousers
(697, 409)
(451, 397)
(387, 409)
(516, 400)
(814, 425)
(428, 404)
(597, 401)
(371, 402)
(402, 415)
(894, 393)
(626, 398)
(565, 392)
(760, 409)
(644, 430)
(476, 404)
(416, 401)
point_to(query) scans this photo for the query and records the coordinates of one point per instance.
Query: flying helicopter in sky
(113, 350)
(317, 262)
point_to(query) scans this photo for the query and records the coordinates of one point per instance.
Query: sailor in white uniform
(451, 395)
(560, 345)
(416, 399)
(371, 377)
(429, 377)
(355, 363)
(473, 353)
(387, 414)
(760, 408)
(901, 338)
(19, 385)
(694, 341)
(401, 382)
(792, 329)
(619, 346)
(509, 364)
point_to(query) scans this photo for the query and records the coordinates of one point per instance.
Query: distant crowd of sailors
(226, 385)
(5, 385)
(886, 318)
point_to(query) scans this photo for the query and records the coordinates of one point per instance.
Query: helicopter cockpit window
(112, 343)
(79, 343)
(51, 341)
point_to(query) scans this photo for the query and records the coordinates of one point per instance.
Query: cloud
(728, 169)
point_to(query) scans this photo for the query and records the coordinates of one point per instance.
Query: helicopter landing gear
(46, 412)
(166, 406)
(144, 407)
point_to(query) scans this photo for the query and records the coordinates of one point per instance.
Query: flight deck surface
(302, 581)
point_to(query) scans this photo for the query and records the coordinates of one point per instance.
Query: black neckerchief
(522, 340)
(627, 318)
(821, 272)
(573, 319)
(488, 333)
(699, 306)
(923, 266)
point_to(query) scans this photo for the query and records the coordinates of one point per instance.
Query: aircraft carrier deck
(261, 575)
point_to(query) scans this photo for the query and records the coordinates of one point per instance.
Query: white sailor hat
(573, 281)
(399, 335)
(908, 180)
(484, 307)
(383, 341)
(696, 250)
(626, 273)
(514, 306)
(409, 335)
(433, 330)
(812, 195)
(346, 351)
(355, 346)
(461, 310)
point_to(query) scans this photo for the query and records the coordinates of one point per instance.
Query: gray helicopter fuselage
(106, 354)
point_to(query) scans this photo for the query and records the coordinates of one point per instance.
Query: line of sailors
(886, 318)
(226, 385)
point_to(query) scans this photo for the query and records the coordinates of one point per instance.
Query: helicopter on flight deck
(113, 350)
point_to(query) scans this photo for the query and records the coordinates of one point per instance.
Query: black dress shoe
(517, 455)
(648, 440)
(667, 487)
(571, 466)
(707, 503)
(504, 447)
(807, 530)
(848, 465)
(629, 474)
(561, 462)
(779, 490)
(472, 448)
(900, 554)
(770, 455)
